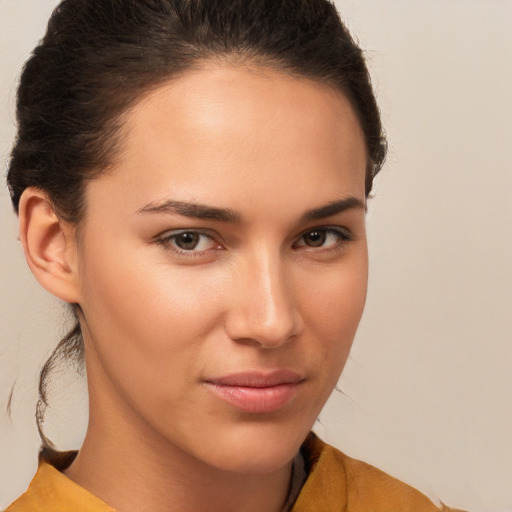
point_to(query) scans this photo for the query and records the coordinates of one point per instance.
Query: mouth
(257, 392)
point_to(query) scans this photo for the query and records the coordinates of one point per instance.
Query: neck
(128, 482)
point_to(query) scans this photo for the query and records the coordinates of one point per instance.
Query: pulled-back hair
(99, 57)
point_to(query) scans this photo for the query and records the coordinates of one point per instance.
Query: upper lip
(258, 379)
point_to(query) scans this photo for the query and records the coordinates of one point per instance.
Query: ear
(49, 245)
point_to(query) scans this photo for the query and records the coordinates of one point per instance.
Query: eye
(325, 238)
(188, 242)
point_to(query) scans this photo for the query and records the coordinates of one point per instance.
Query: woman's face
(224, 266)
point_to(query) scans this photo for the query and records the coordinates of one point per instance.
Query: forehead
(219, 129)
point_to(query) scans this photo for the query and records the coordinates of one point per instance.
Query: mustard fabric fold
(338, 483)
(52, 491)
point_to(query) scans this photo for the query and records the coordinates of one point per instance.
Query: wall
(427, 392)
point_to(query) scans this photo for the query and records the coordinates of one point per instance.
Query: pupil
(187, 241)
(315, 238)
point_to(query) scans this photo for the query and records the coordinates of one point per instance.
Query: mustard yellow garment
(338, 483)
(335, 483)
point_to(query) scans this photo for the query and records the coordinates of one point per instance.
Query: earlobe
(49, 246)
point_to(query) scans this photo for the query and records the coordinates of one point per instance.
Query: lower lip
(256, 400)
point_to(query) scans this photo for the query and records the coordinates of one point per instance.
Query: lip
(257, 392)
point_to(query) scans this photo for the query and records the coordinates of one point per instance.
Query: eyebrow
(198, 211)
(201, 211)
(333, 208)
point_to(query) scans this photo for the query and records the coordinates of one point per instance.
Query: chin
(256, 448)
(260, 461)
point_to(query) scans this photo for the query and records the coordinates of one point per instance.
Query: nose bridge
(265, 310)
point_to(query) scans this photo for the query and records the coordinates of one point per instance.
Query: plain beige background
(428, 387)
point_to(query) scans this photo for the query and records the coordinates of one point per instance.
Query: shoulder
(369, 485)
(51, 491)
(23, 504)
(338, 482)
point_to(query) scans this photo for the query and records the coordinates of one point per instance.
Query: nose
(263, 309)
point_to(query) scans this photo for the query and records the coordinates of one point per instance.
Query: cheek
(143, 325)
(148, 303)
(146, 328)
(334, 307)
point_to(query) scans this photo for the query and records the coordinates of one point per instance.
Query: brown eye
(315, 238)
(325, 238)
(187, 241)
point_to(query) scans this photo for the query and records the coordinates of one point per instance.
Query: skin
(265, 290)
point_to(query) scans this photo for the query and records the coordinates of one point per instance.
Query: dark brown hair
(99, 56)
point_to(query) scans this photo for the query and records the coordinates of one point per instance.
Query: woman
(191, 177)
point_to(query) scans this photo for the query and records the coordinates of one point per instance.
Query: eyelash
(342, 237)
(168, 241)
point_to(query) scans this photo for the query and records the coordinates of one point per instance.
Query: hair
(97, 59)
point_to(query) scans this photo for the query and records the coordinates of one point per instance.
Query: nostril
(263, 328)
(264, 309)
